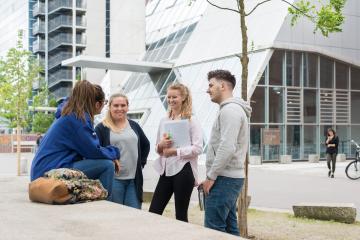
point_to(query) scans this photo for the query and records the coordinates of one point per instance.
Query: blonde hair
(108, 120)
(186, 106)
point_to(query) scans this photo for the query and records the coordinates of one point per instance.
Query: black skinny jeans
(331, 161)
(181, 185)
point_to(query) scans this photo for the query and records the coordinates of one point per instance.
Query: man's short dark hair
(223, 75)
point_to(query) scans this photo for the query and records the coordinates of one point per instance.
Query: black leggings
(181, 185)
(331, 158)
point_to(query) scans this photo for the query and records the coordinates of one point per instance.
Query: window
(258, 105)
(326, 72)
(275, 68)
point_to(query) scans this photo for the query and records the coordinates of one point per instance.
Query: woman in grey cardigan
(116, 129)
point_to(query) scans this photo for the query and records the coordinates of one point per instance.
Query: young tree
(41, 120)
(327, 18)
(18, 71)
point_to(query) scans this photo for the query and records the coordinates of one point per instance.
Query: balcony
(61, 91)
(57, 5)
(60, 39)
(56, 60)
(38, 9)
(66, 21)
(60, 21)
(63, 75)
(66, 39)
(39, 45)
(38, 27)
(81, 4)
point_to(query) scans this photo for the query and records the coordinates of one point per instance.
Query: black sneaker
(329, 173)
(332, 175)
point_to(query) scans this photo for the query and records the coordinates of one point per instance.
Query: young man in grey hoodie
(226, 153)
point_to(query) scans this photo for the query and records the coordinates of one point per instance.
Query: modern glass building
(300, 83)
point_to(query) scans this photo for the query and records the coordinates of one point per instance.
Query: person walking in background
(177, 166)
(71, 141)
(116, 129)
(226, 154)
(332, 142)
(39, 137)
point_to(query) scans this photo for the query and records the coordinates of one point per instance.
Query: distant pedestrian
(39, 137)
(332, 142)
(226, 152)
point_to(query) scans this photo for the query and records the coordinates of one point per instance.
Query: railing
(38, 27)
(61, 75)
(39, 8)
(81, 4)
(80, 39)
(61, 92)
(38, 45)
(80, 21)
(58, 58)
(61, 38)
(59, 4)
(62, 20)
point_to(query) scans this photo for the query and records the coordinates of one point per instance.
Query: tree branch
(247, 14)
(290, 4)
(223, 8)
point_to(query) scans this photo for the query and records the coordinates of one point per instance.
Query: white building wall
(14, 16)
(344, 45)
(95, 38)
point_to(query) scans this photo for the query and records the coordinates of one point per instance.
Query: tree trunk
(242, 201)
(18, 150)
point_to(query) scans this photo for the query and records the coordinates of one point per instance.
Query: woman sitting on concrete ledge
(71, 141)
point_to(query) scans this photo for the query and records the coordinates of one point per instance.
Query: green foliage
(18, 71)
(41, 122)
(327, 18)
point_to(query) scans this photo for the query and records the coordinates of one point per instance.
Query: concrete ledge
(314, 158)
(341, 157)
(285, 159)
(21, 219)
(340, 212)
(255, 160)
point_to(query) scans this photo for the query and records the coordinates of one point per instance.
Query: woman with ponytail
(177, 166)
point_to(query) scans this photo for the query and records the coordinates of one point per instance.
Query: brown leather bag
(49, 190)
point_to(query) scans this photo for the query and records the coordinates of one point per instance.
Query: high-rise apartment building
(59, 33)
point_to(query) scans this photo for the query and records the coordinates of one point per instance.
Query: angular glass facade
(303, 94)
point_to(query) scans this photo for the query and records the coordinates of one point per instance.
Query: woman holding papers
(116, 129)
(179, 143)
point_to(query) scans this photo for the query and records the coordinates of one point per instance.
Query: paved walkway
(271, 186)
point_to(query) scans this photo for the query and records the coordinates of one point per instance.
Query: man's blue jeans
(220, 205)
(102, 169)
(124, 192)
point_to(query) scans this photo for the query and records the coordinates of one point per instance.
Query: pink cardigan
(173, 165)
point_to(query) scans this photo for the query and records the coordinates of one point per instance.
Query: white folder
(179, 131)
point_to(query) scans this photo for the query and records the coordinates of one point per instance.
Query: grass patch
(265, 225)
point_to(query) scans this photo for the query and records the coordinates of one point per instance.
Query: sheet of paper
(179, 131)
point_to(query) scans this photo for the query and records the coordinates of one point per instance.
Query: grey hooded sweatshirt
(229, 140)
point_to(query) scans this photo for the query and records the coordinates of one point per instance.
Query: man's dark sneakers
(332, 175)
